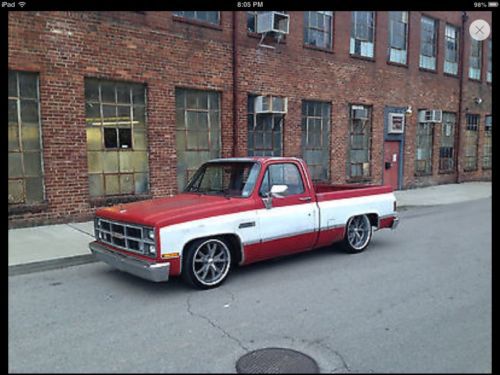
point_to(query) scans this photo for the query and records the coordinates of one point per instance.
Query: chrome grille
(124, 236)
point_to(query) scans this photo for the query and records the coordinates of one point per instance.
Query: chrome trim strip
(156, 272)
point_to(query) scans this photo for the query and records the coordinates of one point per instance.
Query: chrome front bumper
(156, 272)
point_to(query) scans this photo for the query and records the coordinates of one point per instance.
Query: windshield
(235, 179)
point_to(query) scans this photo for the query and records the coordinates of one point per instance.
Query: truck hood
(174, 210)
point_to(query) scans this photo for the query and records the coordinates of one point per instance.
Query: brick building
(108, 107)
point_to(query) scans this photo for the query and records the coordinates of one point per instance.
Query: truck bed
(326, 192)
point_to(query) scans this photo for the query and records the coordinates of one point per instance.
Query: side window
(283, 174)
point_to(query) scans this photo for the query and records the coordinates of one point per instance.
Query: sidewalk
(55, 246)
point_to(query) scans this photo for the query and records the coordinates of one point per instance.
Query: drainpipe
(465, 17)
(235, 84)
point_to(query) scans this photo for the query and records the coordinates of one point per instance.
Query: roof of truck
(253, 158)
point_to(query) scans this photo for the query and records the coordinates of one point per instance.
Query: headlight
(150, 249)
(150, 234)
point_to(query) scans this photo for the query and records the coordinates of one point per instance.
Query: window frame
(104, 152)
(487, 143)
(435, 44)
(19, 99)
(457, 45)
(469, 128)
(353, 39)
(267, 174)
(428, 133)
(450, 159)
(479, 67)
(196, 21)
(307, 27)
(489, 68)
(363, 176)
(407, 40)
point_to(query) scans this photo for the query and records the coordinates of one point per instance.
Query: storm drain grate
(276, 361)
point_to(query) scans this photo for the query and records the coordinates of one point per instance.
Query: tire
(207, 263)
(358, 234)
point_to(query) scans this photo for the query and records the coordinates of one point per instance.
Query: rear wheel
(207, 263)
(358, 234)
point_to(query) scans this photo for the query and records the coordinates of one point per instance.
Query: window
(475, 59)
(318, 29)
(487, 143)
(362, 34)
(428, 43)
(423, 159)
(282, 174)
(471, 138)
(359, 157)
(25, 156)
(398, 37)
(447, 147)
(316, 138)
(203, 16)
(451, 50)
(264, 131)
(117, 144)
(225, 178)
(488, 73)
(198, 136)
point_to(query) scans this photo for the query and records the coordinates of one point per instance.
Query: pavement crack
(320, 341)
(213, 324)
(80, 230)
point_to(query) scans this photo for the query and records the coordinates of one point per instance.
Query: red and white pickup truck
(238, 211)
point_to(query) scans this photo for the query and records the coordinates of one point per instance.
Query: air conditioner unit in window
(359, 113)
(271, 104)
(396, 123)
(276, 22)
(433, 115)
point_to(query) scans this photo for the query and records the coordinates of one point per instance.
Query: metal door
(391, 164)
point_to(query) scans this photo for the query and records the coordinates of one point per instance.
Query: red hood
(176, 209)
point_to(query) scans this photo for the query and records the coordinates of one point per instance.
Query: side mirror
(276, 192)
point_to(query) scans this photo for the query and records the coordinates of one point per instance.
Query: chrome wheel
(211, 262)
(359, 232)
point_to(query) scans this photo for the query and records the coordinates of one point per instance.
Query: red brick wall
(162, 52)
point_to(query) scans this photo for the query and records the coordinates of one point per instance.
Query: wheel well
(232, 240)
(373, 219)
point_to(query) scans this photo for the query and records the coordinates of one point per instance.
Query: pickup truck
(237, 211)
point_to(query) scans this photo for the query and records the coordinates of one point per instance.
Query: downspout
(465, 17)
(235, 85)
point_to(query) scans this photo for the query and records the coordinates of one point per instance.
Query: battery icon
(492, 4)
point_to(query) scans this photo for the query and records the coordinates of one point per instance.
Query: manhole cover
(276, 361)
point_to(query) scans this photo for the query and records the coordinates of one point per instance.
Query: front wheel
(207, 263)
(358, 234)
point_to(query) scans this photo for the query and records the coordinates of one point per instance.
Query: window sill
(253, 34)
(475, 80)
(397, 64)
(470, 170)
(427, 70)
(423, 174)
(486, 168)
(19, 209)
(316, 48)
(197, 23)
(450, 75)
(117, 199)
(450, 172)
(360, 57)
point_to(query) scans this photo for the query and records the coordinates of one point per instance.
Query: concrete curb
(52, 264)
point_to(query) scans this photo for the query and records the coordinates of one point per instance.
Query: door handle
(305, 199)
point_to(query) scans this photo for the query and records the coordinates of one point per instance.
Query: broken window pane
(110, 138)
(125, 138)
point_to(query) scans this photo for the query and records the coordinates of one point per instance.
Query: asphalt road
(419, 299)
